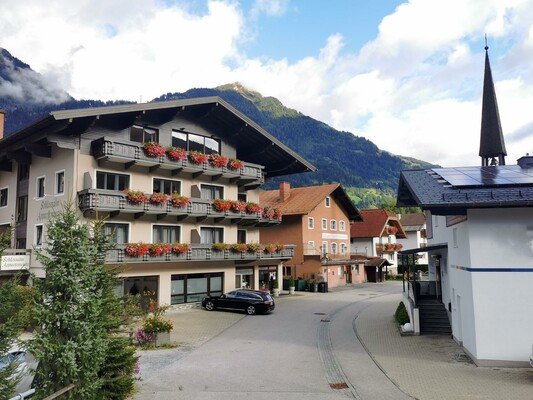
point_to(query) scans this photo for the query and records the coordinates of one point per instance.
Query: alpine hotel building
(183, 210)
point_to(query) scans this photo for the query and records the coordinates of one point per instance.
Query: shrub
(401, 315)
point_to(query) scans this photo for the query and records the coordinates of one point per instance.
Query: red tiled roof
(302, 200)
(373, 224)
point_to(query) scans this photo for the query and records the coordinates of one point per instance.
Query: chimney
(2, 119)
(284, 191)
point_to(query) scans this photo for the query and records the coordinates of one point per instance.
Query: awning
(426, 249)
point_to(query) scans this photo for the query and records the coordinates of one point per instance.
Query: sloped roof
(429, 191)
(412, 220)
(374, 223)
(253, 143)
(303, 200)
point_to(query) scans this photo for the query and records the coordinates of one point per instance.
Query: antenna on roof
(486, 44)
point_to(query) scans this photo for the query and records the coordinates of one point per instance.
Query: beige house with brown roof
(316, 220)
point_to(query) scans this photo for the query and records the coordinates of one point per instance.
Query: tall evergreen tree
(78, 309)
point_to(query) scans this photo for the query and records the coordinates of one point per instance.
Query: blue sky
(407, 75)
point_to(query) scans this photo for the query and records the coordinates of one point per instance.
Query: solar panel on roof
(502, 175)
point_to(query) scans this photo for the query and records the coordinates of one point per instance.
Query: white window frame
(342, 225)
(334, 248)
(6, 196)
(39, 235)
(324, 248)
(171, 226)
(333, 225)
(310, 223)
(324, 224)
(327, 202)
(128, 230)
(38, 181)
(57, 188)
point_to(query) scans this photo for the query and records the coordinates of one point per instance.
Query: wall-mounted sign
(15, 263)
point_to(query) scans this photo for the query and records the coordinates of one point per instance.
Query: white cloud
(414, 90)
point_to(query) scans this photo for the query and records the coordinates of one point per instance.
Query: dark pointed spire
(492, 146)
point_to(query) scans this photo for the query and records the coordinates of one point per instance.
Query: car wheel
(209, 306)
(250, 310)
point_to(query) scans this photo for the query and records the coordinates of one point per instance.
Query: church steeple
(492, 146)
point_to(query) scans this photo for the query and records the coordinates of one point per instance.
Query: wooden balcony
(130, 154)
(199, 252)
(115, 203)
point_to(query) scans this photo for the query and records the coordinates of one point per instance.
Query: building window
(211, 235)
(324, 224)
(40, 187)
(22, 209)
(342, 226)
(333, 225)
(60, 182)
(112, 181)
(343, 248)
(191, 288)
(242, 197)
(287, 270)
(210, 192)
(24, 172)
(166, 234)
(333, 248)
(328, 201)
(311, 247)
(241, 236)
(324, 248)
(3, 197)
(310, 223)
(117, 232)
(193, 142)
(38, 235)
(166, 186)
(142, 134)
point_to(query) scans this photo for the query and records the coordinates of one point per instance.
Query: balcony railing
(388, 247)
(200, 252)
(130, 154)
(116, 202)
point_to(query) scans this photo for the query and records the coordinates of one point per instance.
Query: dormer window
(327, 201)
(143, 134)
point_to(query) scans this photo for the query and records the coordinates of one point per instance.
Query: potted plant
(153, 149)
(275, 288)
(176, 153)
(179, 201)
(268, 212)
(235, 164)
(279, 246)
(270, 248)
(136, 196)
(198, 157)
(277, 214)
(216, 160)
(292, 286)
(180, 248)
(158, 326)
(158, 198)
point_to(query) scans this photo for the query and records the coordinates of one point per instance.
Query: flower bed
(153, 149)
(136, 196)
(176, 153)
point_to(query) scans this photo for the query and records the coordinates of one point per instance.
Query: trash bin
(323, 287)
(313, 287)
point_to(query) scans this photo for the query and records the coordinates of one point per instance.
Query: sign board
(15, 263)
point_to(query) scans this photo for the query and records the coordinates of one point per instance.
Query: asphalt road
(306, 349)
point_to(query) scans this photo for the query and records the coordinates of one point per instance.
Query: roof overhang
(425, 249)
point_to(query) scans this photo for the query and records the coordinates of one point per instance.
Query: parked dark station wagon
(250, 301)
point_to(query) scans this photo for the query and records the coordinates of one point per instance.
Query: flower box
(235, 164)
(160, 249)
(176, 153)
(253, 247)
(270, 248)
(252, 208)
(197, 157)
(239, 247)
(179, 201)
(221, 205)
(159, 198)
(153, 149)
(180, 248)
(136, 196)
(218, 161)
(238, 206)
(268, 212)
(219, 246)
(137, 249)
